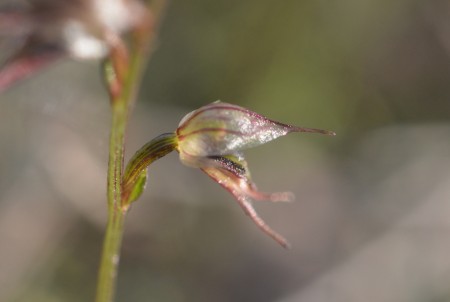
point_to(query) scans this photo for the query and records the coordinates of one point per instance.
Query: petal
(262, 225)
(235, 172)
(222, 128)
(244, 202)
(233, 176)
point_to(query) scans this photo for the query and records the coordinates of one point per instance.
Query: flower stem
(110, 257)
(107, 275)
(123, 94)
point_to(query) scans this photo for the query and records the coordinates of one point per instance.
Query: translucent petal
(222, 128)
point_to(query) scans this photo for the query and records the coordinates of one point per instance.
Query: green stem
(116, 215)
(110, 257)
(122, 106)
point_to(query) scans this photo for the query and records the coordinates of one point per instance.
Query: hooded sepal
(222, 129)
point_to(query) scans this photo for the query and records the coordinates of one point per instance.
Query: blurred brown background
(371, 221)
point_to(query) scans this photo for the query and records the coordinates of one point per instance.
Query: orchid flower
(47, 30)
(212, 139)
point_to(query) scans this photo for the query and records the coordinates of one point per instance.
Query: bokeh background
(371, 221)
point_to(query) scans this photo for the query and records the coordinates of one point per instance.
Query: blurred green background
(371, 221)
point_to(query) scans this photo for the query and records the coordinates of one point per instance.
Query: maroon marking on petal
(180, 137)
(215, 106)
(237, 171)
(235, 168)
